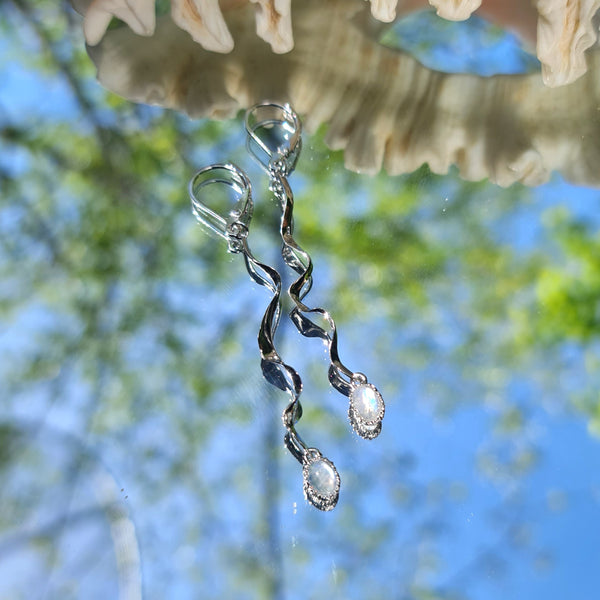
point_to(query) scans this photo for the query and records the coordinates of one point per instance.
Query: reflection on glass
(118, 333)
(381, 106)
(65, 526)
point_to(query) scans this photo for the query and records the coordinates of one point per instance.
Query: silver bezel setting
(318, 500)
(367, 429)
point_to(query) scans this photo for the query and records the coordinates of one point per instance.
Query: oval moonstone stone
(321, 477)
(366, 403)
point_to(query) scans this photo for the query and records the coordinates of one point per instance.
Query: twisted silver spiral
(321, 479)
(278, 155)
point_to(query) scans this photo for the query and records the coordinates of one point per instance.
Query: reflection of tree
(54, 491)
(118, 325)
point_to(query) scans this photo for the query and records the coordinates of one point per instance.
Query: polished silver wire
(278, 155)
(234, 228)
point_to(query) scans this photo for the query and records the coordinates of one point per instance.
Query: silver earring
(274, 140)
(320, 477)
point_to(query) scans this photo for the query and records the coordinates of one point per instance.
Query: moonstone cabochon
(366, 410)
(321, 480)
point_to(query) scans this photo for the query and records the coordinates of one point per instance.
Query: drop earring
(321, 481)
(274, 140)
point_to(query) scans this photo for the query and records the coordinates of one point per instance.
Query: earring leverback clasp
(234, 225)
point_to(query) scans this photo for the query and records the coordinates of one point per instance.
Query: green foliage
(569, 295)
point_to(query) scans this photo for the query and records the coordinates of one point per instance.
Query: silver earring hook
(234, 224)
(274, 136)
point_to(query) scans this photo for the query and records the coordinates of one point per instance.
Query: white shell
(455, 10)
(274, 24)
(384, 10)
(565, 27)
(382, 107)
(202, 19)
(565, 31)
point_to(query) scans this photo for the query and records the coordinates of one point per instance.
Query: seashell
(384, 10)
(564, 29)
(455, 10)
(274, 24)
(138, 14)
(382, 107)
(202, 19)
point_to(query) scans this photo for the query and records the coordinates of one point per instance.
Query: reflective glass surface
(141, 448)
